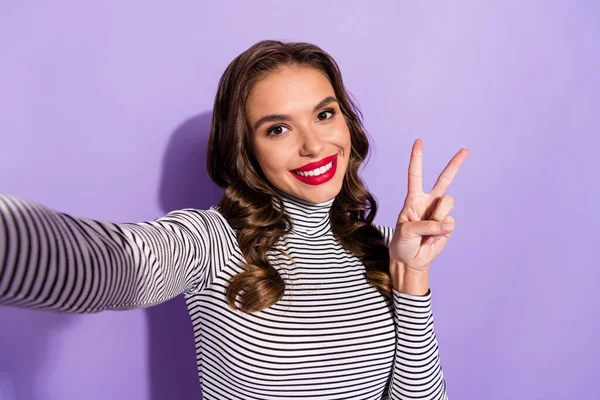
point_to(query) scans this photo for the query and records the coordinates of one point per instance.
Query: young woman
(292, 291)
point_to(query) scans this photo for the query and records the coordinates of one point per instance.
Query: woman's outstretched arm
(53, 261)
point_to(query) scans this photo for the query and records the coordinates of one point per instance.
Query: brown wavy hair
(251, 204)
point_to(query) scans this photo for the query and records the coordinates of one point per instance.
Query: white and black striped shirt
(331, 336)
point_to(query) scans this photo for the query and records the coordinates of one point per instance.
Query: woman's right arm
(53, 261)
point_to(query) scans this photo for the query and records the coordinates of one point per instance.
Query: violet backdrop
(105, 108)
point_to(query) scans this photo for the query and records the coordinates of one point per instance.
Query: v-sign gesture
(424, 224)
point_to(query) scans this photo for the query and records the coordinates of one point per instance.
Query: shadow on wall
(25, 334)
(185, 184)
(24, 340)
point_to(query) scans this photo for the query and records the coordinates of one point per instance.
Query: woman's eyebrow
(327, 100)
(284, 117)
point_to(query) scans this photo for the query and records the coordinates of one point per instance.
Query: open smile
(318, 172)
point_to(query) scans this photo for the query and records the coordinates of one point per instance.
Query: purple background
(105, 111)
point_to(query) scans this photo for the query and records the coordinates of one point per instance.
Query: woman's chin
(320, 193)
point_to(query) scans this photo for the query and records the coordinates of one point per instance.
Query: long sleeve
(417, 372)
(53, 261)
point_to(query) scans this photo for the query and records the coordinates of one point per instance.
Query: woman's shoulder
(198, 220)
(386, 231)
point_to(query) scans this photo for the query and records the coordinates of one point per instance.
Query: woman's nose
(312, 143)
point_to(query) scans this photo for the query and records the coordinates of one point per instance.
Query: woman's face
(299, 136)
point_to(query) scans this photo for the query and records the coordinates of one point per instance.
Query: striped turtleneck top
(331, 336)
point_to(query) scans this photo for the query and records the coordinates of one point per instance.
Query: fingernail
(448, 227)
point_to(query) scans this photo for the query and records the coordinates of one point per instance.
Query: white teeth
(316, 171)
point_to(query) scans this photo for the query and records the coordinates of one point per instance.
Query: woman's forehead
(289, 89)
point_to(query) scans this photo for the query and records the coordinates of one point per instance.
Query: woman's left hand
(421, 233)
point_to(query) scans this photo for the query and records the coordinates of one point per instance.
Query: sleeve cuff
(426, 297)
(408, 303)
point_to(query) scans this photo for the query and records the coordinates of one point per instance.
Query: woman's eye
(277, 130)
(325, 114)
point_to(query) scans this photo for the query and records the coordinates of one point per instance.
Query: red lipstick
(318, 172)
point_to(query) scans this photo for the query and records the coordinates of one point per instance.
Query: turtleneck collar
(306, 217)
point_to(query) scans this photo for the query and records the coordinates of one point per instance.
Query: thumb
(415, 229)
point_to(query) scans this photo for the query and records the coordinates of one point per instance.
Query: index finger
(448, 174)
